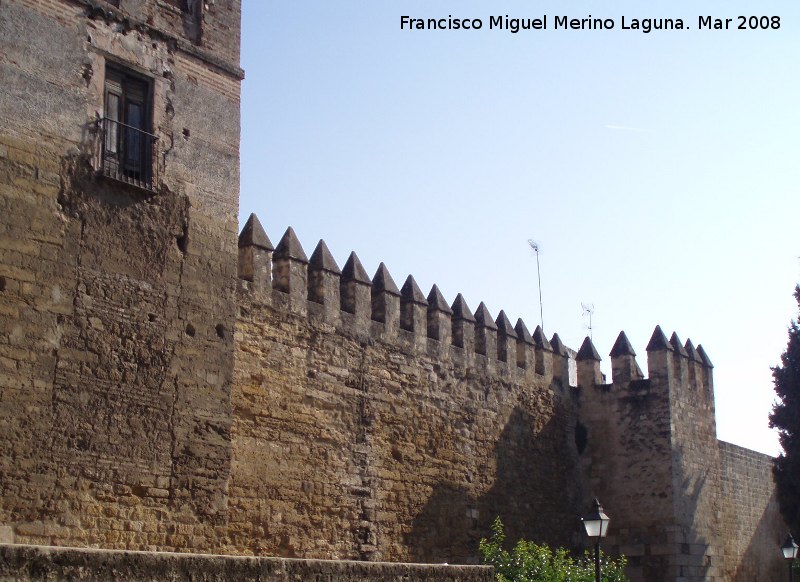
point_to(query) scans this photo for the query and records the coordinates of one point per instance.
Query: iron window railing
(129, 153)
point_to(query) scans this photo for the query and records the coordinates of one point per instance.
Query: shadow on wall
(697, 557)
(762, 561)
(535, 493)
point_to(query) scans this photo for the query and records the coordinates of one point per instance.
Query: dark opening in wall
(581, 437)
(220, 331)
(129, 146)
(2, 283)
(190, 331)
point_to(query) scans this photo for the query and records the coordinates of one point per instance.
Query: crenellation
(526, 349)
(356, 293)
(400, 311)
(624, 367)
(588, 361)
(560, 360)
(385, 300)
(324, 281)
(485, 333)
(545, 361)
(440, 326)
(707, 375)
(255, 255)
(659, 358)
(506, 340)
(695, 368)
(680, 360)
(414, 312)
(463, 325)
(290, 271)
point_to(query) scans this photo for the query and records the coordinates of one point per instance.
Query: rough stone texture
(751, 506)
(360, 446)
(117, 304)
(684, 506)
(150, 399)
(36, 563)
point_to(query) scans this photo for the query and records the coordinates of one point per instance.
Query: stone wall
(357, 438)
(116, 302)
(159, 392)
(35, 563)
(684, 506)
(627, 457)
(753, 528)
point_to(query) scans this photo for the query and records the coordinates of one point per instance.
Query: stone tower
(119, 179)
(652, 454)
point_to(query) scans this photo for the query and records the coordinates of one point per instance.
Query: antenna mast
(588, 309)
(535, 246)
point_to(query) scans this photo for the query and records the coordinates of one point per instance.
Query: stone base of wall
(33, 563)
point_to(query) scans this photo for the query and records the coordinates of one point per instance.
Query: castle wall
(357, 439)
(753, 528)
(163, 388)
(116, 303)
(695, 474)
(627, 464)
(683, 505)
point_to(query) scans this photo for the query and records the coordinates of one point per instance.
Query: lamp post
(789, 549)
(596, 525)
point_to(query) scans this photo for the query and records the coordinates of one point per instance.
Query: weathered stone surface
(385, 445)
(36, 563)
(253, 235)
(154, 400)
(651, 451)
(117, 304)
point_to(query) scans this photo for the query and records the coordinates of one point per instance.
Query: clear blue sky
(660, 173)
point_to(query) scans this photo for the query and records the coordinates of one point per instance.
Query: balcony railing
(129, 153)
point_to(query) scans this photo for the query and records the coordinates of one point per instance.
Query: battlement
(668, 362)
(376, 308)
(651, 447)
(163, 393)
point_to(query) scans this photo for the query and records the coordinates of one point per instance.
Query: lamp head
(789, 548)
(596, 521)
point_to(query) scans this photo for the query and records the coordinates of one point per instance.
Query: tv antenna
(535, 246)
(588, 310)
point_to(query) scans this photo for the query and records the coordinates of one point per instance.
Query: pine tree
(786, 418)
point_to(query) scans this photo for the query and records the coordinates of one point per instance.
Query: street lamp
(596, 525)
(789, 549)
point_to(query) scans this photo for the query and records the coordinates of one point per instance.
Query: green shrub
(530, 562)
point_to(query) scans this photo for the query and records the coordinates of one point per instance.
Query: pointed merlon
(504, 325)
(622, 347)
(411, 293)
(253, 235)
(322, 259)
(689, 347)
(436, 301)
(541, 340)
(483, 318)
(354, 270)
(558, 346)
(587, 352)
(676, 344)
(658, 341)
(382, 281)
(704, 357)
(290, 248)
(522, 332)
(461, 310)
